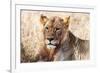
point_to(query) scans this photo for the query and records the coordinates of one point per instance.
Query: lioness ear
(67, 20)
(43, 19)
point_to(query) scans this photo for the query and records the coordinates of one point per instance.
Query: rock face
(32, 38)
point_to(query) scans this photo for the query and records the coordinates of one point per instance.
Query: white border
(16, 66)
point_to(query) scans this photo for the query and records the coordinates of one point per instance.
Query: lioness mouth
(51, 46)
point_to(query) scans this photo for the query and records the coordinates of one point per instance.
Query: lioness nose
(50, 39)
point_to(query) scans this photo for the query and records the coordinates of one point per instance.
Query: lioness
(59, 41)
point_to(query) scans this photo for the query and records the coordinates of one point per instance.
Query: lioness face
(54, 29)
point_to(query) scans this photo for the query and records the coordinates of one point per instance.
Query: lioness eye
(46, 28)
(57, 29)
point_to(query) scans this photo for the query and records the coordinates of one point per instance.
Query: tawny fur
(68, 45)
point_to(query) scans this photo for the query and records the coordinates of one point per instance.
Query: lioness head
(54, 28)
